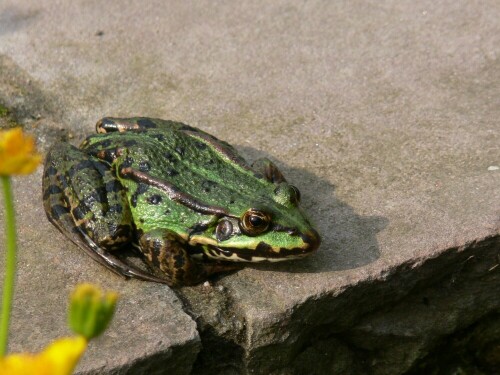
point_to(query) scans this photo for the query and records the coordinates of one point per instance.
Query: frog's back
(191, 160)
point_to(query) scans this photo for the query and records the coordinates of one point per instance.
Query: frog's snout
(312, 239)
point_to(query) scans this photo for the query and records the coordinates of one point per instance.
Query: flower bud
(91, 310)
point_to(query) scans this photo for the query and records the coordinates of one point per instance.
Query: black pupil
(256, 221)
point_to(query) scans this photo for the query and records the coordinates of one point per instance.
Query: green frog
(186, 200)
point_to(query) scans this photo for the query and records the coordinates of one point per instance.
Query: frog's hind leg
(77, 191)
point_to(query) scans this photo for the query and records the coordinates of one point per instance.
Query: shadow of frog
(348, 241)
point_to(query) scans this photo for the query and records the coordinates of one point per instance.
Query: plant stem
(10, 265)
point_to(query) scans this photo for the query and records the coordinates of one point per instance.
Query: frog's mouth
(265, 252)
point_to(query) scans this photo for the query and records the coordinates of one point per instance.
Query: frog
(189, 203)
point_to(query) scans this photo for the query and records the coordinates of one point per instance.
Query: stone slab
(385, 115)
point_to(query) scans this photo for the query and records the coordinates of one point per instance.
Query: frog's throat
(173, 193)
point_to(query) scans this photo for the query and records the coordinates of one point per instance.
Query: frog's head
(269, 230)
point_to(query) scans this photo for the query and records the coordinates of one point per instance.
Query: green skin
(185, 199)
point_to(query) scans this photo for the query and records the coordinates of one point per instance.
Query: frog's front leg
(168, 252)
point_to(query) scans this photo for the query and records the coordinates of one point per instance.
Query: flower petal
(17, 153)
(59, 358)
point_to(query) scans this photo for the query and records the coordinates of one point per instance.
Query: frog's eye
(224, 230)
(254, 222)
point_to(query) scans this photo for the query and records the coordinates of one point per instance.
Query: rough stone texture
(384, 114)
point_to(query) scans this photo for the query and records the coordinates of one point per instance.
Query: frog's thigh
(80, 192)
(269, 170)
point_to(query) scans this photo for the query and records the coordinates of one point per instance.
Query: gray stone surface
(384, 114)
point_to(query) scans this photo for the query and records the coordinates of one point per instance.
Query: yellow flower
(91, 310)
(59, 358)
(17, 153)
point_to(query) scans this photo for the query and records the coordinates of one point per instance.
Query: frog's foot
(269, 170)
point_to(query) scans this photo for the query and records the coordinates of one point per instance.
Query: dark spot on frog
(57, 211)
(105, 143)
(116, 208)
(100, 167)
(50, 171)
(99, 33)
(231, 201)
(130, 143)
(171, 158)
(179, 261)
(208, 185)
(195, 250)
(79, 212)
(172, 172)
(263, 248)
(141, 189)
(84, 164)
(167, 211)
(154, 249)
(98, 195)
(180, 150)
(154, 199)
(52, 189)
(144, 166)
(113, 186)
(158, 137)
(127, 162)
(179, 273)
(201, 145)
(146, 123)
